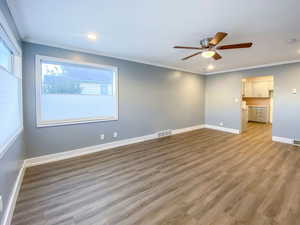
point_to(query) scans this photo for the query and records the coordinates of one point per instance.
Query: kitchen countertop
(265, 106)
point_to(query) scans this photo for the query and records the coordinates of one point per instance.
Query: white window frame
(16, 70)
(38, 87)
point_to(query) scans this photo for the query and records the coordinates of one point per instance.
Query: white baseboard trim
(225, 129)
(187, 129)
(97, 148)
(283, 140)
(8, 214)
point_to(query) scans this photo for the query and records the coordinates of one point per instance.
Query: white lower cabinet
(258, 114)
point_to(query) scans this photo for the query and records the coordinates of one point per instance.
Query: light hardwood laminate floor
(203, 177)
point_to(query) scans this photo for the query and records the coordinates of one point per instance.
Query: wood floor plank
(203, 177)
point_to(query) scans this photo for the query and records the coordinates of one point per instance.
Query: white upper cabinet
(260, 88)
(257, 88)
(248, 89)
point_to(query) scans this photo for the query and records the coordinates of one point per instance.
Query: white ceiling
(147, 30)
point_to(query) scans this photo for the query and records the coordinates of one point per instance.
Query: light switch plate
(115, 134)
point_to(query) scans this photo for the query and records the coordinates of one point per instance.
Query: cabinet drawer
(258, 114)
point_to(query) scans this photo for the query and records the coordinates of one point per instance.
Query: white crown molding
(225, 129)
(98, 148)
(21, 27)
(71, 48)
(156, 64)
(12, 6)
(254, 67)
(8, 213)
(9, 32)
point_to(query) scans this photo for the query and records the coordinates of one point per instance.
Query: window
(10, 92)
(69, 92)
(6, 57)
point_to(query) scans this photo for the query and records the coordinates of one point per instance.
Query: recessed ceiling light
(208, 54)
(210, 67)
(92, 36)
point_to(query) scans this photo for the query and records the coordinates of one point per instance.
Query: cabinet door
(248, 89)
(251, 113)
(260, 89)
(266, 89)
(261, 114)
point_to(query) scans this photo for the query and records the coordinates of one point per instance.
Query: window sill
(55, 123)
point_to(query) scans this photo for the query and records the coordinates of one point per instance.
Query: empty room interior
(149, 112)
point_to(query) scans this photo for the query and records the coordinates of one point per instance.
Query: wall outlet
(102, 136)
(115, 134)
(221, 124)
(1, 204)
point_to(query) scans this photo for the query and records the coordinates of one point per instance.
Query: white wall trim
(98, 148)
(187, 129)
(282, 140)
(8, 213)
(254, 67)
(10, 34)
(225, 129)
(70, 48)
(21, 27)
(156, 64)
(83, 151)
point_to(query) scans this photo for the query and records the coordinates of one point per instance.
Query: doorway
(257, 102)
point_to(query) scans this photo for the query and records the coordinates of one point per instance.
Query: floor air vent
(297, 142)
(164, 133)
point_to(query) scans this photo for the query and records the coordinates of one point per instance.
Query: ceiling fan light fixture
(208, 54)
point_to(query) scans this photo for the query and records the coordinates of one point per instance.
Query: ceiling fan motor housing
(204, 43)
(209, 46)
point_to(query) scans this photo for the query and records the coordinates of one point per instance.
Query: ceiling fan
(209, 47)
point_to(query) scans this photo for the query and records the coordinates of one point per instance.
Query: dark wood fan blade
(217, 56)
(185, 47)
(218, 38)
(190, 56)
(241, 45)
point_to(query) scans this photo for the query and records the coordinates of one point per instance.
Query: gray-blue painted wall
(11, 162)
(150, 99)
(222, 89)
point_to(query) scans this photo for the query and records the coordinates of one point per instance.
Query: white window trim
(38, 88)
(9, 38)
